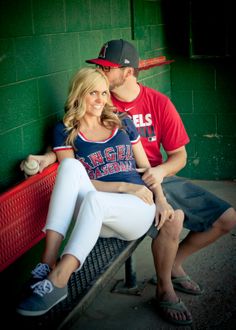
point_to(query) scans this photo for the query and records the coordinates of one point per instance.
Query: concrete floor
(214, 268)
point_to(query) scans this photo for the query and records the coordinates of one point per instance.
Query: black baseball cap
(117, 53)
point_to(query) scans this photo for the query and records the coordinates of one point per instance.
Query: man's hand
(164, 212)
(152, 176)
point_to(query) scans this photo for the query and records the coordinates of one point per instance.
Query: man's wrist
(162, 168)
(160, 199)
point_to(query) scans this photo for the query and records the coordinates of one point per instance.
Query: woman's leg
(126, 215)
(122, 215)
(71, 186)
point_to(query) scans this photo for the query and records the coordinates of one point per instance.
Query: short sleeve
(174, 134)
(59, 137)
(131, 130)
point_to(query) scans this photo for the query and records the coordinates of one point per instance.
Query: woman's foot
(43, 297)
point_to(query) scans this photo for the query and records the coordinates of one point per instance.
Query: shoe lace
(40, 271)
(42, 288)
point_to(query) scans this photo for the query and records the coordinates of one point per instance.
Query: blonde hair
(85, 81)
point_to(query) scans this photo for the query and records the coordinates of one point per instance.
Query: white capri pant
(103, 214)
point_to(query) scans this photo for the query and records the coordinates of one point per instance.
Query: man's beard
(116, 84)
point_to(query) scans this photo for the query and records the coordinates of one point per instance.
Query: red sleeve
(173, 134)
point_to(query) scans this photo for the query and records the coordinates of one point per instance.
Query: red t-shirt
(157, 122)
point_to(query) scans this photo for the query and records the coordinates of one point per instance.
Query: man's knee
(227, 221)
(172, 229)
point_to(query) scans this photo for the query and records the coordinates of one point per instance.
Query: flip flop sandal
(165, 307)
(178, 285)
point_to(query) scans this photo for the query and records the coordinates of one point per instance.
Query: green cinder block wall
(204, 92)
(43, 43)
(203, 83)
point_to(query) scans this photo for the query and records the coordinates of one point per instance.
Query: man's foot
(44, 296)
(182, 283)
(186, 284)
(174, 312)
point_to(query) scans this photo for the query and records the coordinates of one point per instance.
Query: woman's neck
(94, 130)
(90, 123)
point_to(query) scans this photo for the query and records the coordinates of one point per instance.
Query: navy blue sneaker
(39, 273)
(44, 296)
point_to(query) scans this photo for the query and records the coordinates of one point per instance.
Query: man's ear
(129, 72)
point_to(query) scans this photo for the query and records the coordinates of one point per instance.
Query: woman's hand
(43, 160)
(140, 191)
(164, 212)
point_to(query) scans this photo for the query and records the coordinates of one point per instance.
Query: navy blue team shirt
(108, 160)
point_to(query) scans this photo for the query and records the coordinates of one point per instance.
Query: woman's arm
(140, 155)
(49, 158)
(164, 210)
(175, 162)
(44, 160)
(138, 190)
(69, 153)
(143, 165)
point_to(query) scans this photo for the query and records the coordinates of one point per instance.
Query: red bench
(23, 210)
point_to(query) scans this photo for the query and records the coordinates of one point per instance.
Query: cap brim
(102, 62)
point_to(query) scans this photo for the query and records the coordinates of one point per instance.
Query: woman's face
(96, 100)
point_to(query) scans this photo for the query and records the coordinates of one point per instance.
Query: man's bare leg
(195, 241)
(164, 249)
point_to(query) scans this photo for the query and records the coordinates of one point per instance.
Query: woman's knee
(94, 199)
(71, 168)
(69, 164)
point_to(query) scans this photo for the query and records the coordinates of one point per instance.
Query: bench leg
(130, 273)
(129, 285)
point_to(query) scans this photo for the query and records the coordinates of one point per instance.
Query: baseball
(31, 167)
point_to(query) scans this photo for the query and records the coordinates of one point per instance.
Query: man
(206, 216)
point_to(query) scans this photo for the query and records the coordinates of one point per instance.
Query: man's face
(116, 76)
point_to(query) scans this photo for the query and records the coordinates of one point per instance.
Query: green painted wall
(203, 83)
(204, 92)
(43, 42)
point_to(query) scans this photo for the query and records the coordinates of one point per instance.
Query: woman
(107, 149)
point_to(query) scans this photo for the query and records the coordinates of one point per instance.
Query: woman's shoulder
(125, 119)
(60, 128)
(129, 127)
(59, 125)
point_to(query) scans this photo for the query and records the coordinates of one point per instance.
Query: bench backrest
(23, 211)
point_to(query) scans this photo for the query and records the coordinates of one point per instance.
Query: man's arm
(176, 160)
